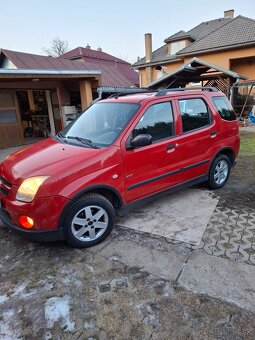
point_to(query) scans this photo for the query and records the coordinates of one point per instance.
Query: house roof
(208, 27)
(194, 69)
(159, 55)
(179, 36)
(27, 61)
(102, 59)
(211, 35)
(236, 32)
(89, 53)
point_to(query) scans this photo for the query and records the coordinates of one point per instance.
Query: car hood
(46, 158)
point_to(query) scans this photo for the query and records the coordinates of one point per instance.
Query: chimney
(99, 49)
(88, 46)
(229, 13)
(148, 47)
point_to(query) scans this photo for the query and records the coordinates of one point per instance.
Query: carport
(197, 71)
(43, 100)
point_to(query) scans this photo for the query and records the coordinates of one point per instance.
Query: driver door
(155, 167)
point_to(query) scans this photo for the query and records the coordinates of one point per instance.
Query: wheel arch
(227, 151)
(108, 192)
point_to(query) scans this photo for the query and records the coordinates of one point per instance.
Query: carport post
(86, 93)
(50, 111)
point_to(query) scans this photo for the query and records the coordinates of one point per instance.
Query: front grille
(4, 192)
(5, 186)
(8, 184)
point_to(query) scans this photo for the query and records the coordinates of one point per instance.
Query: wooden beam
(86, 93)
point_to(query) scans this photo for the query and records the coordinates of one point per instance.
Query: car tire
(219, 172)
(89, 221)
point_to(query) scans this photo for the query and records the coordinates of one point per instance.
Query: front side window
(100, 124)
(224, 108)
(194, 114)
(157, 121)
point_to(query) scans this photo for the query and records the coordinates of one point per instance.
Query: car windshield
(100, 124)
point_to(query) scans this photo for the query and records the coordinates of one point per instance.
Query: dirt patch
(50, 291)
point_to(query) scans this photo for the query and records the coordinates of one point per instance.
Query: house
(39, 95)
(218, 53)
(115, 72)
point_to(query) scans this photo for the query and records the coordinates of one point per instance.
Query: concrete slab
(166, 265)
(182, 216)
(220, 278)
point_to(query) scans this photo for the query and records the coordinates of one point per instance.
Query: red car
(120, 153)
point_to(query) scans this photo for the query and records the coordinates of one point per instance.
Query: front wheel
(219, 172)
(89, 221)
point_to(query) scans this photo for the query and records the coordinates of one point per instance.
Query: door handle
(213, 132)
(171, 146)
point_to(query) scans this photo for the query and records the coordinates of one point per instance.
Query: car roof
(166, 93)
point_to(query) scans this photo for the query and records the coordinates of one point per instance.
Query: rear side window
(194, 114)
(157, 121)
(224, 108)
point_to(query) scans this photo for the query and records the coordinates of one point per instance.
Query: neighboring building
(40, 94)
(115, 72)
(224, 48)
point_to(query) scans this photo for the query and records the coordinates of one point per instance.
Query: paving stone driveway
(230, 233)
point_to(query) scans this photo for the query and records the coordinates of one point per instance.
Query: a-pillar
(86, 93)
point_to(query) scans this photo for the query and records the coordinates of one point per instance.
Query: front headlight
(29, 188)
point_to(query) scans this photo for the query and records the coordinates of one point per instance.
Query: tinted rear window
(224, 108)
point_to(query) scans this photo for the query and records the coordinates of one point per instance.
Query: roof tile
(238, 31)
(178, 36)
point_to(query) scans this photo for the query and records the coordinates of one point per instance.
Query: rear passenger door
(149, 169)
(198, 136)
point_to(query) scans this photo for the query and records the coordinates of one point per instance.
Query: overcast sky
(116, 26)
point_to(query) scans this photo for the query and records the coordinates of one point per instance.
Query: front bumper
(32, 235)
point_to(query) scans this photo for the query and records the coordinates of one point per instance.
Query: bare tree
(57, 48)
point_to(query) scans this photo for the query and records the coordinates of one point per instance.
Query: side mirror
(140, 140)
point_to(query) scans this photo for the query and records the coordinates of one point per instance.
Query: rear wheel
(219, 172)
(89, 221)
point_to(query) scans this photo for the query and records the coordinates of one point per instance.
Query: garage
(42, 99)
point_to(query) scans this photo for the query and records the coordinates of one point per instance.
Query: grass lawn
(240, 189)
(247, 144)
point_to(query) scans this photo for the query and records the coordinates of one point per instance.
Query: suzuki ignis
(121, 152)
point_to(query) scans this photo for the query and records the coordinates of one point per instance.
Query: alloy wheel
(89, 223)
(221, 172)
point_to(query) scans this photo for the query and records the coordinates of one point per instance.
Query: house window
(159, 74)
(8, 116)
(176, 46)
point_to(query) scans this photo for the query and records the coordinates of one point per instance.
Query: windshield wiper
(84, 141)
(60, 135)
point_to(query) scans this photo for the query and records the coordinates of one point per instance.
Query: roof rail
(121, 94)
(165, 91)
